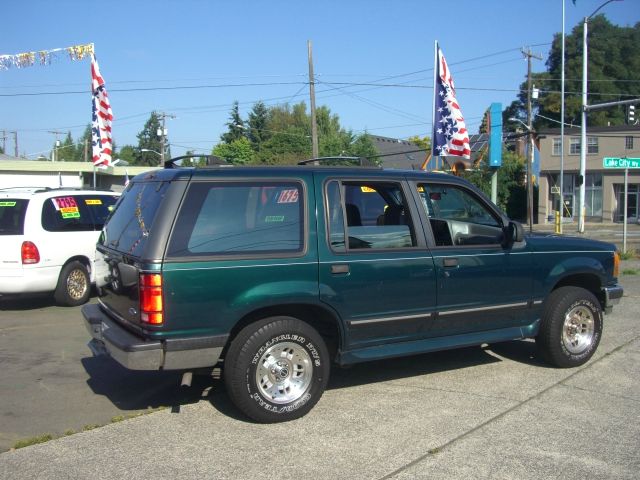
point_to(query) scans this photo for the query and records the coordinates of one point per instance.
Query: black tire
(74, 285)
(276, 369)
(571, 327)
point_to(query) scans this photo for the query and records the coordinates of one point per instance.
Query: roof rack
(361, 161)
(211, 160)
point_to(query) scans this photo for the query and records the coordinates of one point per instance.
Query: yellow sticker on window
(91, 201)
(420, 188)
(367, 190)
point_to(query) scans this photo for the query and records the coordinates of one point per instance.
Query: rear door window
(12, 212)
(227, 218)
(376, 213)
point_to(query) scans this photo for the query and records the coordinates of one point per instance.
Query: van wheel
(74, 286)
(276, 369)
(571, 327)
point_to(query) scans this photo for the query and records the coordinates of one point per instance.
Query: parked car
(275, 273)
(48, 238)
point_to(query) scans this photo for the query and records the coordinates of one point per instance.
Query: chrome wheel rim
(578, 329)
(284, 372)
(77, 284)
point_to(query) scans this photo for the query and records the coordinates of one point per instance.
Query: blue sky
(143, 44)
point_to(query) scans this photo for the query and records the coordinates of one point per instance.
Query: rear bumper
(612, 296)
(136, 353)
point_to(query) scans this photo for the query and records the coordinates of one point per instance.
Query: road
(485, 412)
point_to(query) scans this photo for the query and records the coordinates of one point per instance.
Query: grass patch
(27, 442)
(630, 271)
(628, 255)
(45, 437)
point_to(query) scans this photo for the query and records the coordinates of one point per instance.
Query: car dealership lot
(492, 412)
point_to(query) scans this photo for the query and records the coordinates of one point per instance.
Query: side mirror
(515, 232)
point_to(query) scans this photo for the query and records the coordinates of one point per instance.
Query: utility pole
(312, 95)
(15, 143)
(4, 144)
(529, 56)
(86, 150)
(162, 133)
(55, 146)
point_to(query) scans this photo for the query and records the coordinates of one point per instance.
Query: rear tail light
(151, 298)
(29, 253)
(616, 264)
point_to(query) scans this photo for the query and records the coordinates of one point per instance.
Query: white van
(48, 238)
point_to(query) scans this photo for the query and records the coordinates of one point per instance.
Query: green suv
(275, 273)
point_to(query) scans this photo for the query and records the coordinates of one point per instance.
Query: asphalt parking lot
(486, 412)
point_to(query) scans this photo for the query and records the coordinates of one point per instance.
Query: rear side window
(132, 220)
(12, 216)
(239, 218)
(76, 213)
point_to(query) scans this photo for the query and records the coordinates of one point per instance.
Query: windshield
(131, 223)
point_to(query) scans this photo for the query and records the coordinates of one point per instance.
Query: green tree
(512, 194)
(129, 154)
(84, 142)
(66, 151)
(236, 129)
(237, 152)
(257, 125)
(614, 60)
(148, 139)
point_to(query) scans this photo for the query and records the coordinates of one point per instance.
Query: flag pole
(433, 113)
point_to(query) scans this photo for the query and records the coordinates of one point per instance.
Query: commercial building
(604, 187)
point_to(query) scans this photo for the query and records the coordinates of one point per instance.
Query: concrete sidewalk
(492, 412)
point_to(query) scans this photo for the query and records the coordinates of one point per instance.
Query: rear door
(375, 269)
(12, 216)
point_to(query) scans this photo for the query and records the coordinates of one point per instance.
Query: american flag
(101, 118)
(450, 136)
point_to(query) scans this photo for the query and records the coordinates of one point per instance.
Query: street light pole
(583, 128)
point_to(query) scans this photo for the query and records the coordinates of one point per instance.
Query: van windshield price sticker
(91, 201)
(67, 207)
(7, 204)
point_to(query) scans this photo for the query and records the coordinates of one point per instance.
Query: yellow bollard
(558, 219)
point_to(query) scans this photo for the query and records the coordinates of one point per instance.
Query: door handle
(339, 268)
(450, 262)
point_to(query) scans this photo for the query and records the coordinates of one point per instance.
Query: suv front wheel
(74, 286)
(571, 327)
(276, 369)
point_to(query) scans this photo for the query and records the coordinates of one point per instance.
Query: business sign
(616, 162)
(495, 135)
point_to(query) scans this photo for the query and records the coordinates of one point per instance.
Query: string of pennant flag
(45, 57)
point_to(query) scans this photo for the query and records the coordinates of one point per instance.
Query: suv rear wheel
(74, 286)
(277, 369)
(571, 327)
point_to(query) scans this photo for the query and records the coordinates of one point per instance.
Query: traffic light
(631, 115)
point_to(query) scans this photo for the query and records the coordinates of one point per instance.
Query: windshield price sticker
(64, 202)
(7, 204)
(91, 201)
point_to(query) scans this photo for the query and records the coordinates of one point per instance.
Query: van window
(225, 218)
(12, 212)
(76, 213)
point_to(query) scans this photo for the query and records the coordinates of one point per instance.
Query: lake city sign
(616, 162)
